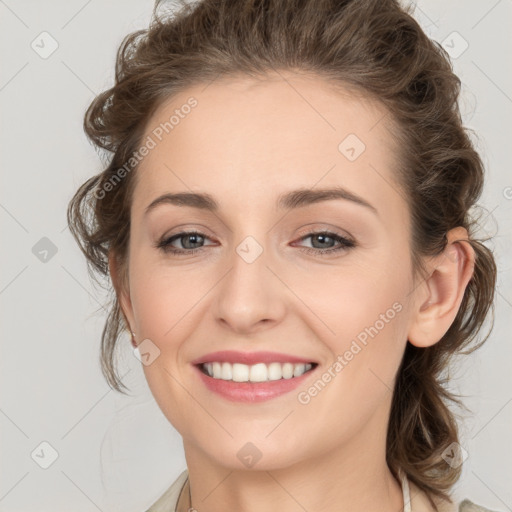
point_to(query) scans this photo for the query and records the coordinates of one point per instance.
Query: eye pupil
(322, 238)
(191, 236)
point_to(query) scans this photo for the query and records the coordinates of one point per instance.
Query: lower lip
(252, 391)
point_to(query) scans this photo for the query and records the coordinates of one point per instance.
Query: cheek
(360, 313)
(350, 298)
(164, 303)
(169, 305)
(364, 326)
(164, 298)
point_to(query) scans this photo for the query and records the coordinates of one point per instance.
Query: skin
(245, 143)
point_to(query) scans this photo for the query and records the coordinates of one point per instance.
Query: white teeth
(227, 373)
(287, 370)
(217, 370)
(259, 372)
(274, 371)
(240, 372)
(299, 369)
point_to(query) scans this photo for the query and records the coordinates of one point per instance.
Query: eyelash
(346, 244)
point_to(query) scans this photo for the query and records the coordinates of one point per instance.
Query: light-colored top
(177, 499)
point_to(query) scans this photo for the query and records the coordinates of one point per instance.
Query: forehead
(258, 137)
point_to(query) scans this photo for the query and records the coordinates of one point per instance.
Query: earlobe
(440, 295)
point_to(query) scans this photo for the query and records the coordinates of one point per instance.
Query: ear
(440, 295)
(121, 288)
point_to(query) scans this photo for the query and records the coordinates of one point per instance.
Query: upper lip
(249, 358)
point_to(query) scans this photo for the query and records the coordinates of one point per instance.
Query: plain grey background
(105, 451)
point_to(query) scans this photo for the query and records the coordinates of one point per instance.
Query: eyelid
(166, 240)
(329, 230)
(345, 242)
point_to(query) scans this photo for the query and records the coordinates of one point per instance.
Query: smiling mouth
(260, 372)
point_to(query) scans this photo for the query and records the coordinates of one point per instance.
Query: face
(322, 278)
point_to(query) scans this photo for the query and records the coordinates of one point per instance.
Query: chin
(247, 453)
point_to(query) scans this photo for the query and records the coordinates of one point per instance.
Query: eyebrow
(287, 201)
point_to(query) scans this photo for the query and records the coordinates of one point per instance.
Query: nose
(250, 297)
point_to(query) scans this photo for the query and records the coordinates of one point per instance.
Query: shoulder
(468, 506)
(167, 502)
(421, 503)
(419, 500)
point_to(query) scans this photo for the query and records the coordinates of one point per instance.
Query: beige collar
(415, 500)
(419, 502)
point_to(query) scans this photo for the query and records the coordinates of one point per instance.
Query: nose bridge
(249, 281)
(248, 294)
(250, 240)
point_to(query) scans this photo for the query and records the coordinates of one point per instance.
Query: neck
(352, 477)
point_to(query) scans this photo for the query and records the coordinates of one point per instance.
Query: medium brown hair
(373, 47)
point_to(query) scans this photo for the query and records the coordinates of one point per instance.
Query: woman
(285, 219)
